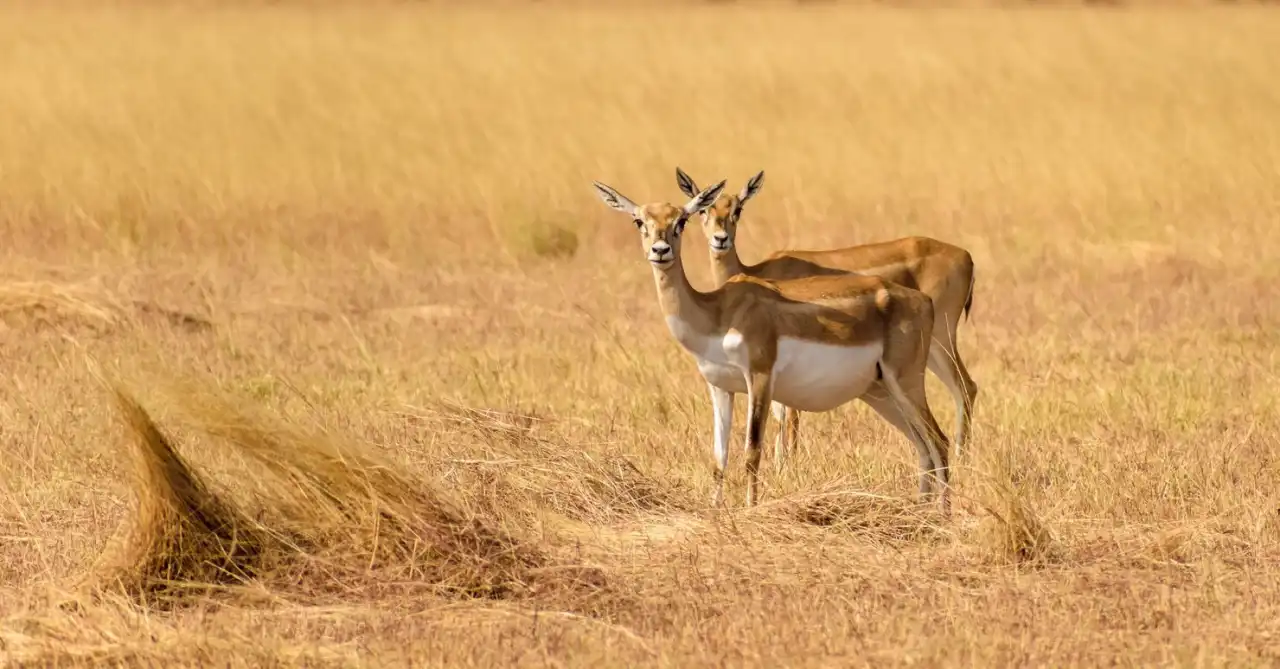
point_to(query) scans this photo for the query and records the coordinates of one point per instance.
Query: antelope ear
(685, 183)
(753, 186)
(616, 201)
(704, 199)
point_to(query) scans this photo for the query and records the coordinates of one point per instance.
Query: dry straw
(520, 470)
(325, 516)
(841, 507)
(182, 535)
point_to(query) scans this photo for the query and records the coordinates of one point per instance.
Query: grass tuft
(181, 539)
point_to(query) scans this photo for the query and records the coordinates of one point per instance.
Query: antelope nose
(721, 238)
(661, 248)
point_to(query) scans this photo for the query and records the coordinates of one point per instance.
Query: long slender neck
(687, 311)
(726, 264)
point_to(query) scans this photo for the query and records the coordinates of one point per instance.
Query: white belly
(806, 375)
(721, 359)
(820, 377)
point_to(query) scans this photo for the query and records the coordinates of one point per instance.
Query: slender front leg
(759, 395)
(792, 428)
(722, 403)
(788, 431)
(780, 444)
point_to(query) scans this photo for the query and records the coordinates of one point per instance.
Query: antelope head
(660, 223)
(720, 220)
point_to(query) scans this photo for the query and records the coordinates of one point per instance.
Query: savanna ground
(309, 241)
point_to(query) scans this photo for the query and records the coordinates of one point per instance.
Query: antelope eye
(639, 224)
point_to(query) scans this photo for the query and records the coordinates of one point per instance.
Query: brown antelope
(813, 344)
(940, 270)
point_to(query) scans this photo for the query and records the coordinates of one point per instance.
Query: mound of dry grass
(114, 632)
(519, 471)
(352, 507)
(52, 302)
(328, 517)
(840, 507)
(58, 304)
(1011, 531)
(182, 536)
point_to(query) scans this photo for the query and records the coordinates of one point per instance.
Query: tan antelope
(940, 270)
(813, 344)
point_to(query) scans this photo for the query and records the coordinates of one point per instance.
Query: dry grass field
(317, 347)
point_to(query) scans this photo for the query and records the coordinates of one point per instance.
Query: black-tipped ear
(753, 186)
(616, 201)
(685, 183)
(704, 199)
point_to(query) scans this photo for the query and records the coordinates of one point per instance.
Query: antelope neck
(698, 312)
(726, 265)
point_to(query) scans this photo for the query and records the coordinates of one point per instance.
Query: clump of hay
(520, 470)
(1192, 542)
(595, 488)
(49, 302)
(58, 629)
(358, 513)
(329, 518)
(840, 507)
(182, 536)
(1012, 532)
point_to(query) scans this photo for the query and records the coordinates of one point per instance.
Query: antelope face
(660, 227)
(660, 223)
(720, 223)
(720, 220)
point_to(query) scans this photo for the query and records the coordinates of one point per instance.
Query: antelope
(813, 343)
(940, 270)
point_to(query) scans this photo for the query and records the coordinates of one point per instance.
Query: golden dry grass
(349, 268)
